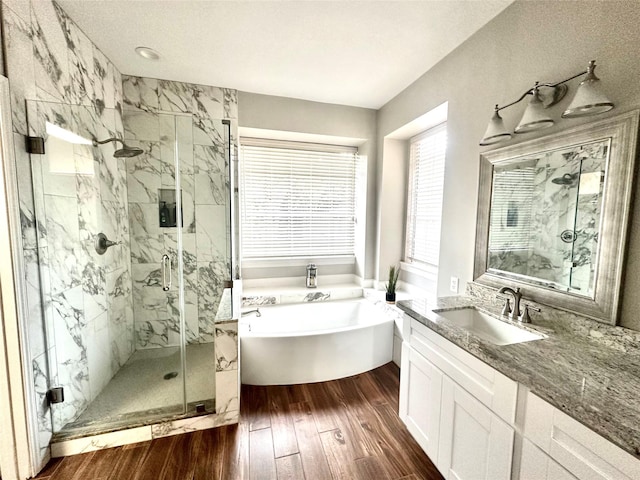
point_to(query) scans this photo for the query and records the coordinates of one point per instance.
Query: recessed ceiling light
(148, 53)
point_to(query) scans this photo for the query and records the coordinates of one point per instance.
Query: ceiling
(360, 53)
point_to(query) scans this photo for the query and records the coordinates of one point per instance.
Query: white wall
(392, 202)
(292, 115)
(545, 41)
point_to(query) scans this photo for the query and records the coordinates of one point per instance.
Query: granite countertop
(573, 369)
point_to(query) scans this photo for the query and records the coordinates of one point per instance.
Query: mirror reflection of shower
(125, 152)
(569, 179)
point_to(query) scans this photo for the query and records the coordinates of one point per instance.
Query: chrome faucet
(312, 274)
(249, 312)
(517, 296)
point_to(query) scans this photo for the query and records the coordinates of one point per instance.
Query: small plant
(393, 279)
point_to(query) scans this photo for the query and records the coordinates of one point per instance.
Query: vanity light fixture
(589, 100)
(148, 53)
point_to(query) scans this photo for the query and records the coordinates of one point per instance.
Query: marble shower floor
(139, 391)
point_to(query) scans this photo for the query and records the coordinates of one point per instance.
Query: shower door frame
(19, 428)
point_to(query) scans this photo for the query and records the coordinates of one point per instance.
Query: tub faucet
(517, 296)
(312, 274)
(249, 312)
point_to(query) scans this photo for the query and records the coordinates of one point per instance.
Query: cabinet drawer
(575, 447)
(489, 386)
(537, 465)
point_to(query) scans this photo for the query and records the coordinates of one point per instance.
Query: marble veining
(580, 368)
(273, 296)
(256, 300)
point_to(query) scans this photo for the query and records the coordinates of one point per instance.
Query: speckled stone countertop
(588, 370)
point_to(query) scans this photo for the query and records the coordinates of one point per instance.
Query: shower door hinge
(55, 395)
(35, 145)
(227, 284)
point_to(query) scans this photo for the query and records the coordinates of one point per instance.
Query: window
(298, 199)
(426, 182)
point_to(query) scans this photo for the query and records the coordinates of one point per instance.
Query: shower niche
(123, 350)
(168, 208)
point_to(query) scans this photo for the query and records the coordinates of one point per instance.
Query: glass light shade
(496, 131)
(535, 117)
(589, 99)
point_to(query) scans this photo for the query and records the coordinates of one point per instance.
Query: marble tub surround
(286, 294)
(588, 370)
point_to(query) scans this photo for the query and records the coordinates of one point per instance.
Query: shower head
(125, 152)
(566, 179)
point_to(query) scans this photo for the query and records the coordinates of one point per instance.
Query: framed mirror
(553, 215)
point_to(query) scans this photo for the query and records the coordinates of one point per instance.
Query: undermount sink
(489, 328)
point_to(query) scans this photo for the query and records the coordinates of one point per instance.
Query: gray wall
(529, 41)
(301, 116)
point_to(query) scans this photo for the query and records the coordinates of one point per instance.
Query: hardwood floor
(343, 429)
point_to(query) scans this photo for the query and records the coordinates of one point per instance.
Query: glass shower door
(109, 226)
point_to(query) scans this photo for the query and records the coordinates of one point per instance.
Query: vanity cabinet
(457, 408)
(569, 449)
(462, 412)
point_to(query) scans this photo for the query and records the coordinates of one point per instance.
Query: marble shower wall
(49, 59)
(158, 116)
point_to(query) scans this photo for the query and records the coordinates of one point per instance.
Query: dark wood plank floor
(343, 429)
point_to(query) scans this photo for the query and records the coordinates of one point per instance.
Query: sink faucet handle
(525, 318)
(506, 310)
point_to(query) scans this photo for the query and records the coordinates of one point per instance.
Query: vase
(391, 297)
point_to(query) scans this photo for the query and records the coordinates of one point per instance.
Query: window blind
(426, 183)
(298, 199)
(511, 209)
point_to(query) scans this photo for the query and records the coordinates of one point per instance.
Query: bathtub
(313, 342)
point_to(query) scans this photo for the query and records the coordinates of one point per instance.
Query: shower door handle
(166, 272)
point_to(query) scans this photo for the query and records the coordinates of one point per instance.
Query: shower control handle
(166, 272)
(102, 243)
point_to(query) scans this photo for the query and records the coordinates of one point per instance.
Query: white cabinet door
(420, 396)
(475, 444)
(579, 450)
(537, 465)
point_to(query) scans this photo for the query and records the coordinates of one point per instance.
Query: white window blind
(426, 183)
(298, 199)
(511, 209)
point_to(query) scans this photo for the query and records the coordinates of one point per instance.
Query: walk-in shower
(134, 250)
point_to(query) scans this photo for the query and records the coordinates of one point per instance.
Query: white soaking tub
(313, 342)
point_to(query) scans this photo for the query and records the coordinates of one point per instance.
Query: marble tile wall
(80, 317)
(51, 61)
(159, 116)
